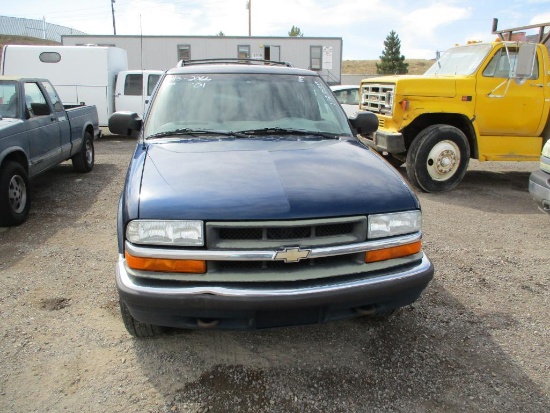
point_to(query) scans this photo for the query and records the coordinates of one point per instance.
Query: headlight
(398, 223)
(177, 233)
(546, 149)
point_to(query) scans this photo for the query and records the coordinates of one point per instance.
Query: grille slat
(280, 234)
(377, 98)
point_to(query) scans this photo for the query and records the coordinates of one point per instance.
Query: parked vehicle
(246, 207)
(487, 101)
(37, 133)
(92, 75)
(539, 181)
(348, 97)
(134, 89)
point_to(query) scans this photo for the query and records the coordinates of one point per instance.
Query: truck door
(505, 107)
(65, 136)
(129, 93)
(150, 80)
(42, 128)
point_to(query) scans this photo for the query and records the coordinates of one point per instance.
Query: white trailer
(80, 74)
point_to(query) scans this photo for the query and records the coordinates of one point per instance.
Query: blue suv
(249, 203)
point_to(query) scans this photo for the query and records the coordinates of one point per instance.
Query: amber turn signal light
(393, 252)
(165, 265)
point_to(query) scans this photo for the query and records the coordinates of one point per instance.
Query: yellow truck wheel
(438, 158)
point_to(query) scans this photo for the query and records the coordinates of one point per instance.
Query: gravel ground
(476, 341)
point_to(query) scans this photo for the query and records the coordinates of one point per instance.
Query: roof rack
(231, 60)
(542, 36)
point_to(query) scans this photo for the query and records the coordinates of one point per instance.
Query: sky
(424, 27)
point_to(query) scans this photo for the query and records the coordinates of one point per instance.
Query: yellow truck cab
(487, 101)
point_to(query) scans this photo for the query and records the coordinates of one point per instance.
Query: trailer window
(243, 51)
(315, 58)
(50, 57)
(184, 52)
(133, 85)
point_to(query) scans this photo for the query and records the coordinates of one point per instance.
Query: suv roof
(232, 60)
(216, 67)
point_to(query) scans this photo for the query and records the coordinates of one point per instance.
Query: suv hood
(295, 178)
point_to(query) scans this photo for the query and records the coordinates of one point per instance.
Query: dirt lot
(476, 341)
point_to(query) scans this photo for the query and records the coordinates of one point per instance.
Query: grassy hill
(368, 67)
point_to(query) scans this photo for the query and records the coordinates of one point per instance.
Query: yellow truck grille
(377, 97)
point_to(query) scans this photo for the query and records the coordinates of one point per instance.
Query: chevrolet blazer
(249, 203)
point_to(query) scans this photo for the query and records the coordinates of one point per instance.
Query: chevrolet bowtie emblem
(291, 254)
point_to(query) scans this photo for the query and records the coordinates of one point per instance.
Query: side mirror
(526, 61)
(364, 122)
(125, 123)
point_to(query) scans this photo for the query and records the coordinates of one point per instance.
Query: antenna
(141, 40)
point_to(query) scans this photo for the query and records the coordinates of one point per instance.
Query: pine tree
(392, 62)
(295, 32)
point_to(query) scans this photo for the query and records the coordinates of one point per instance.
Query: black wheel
(15, 196)
(83, 161)
(438, 158)
(137, 328)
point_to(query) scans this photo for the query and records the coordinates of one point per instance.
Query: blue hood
(263, 179)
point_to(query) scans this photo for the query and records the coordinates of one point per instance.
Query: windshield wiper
(286, 131)
(191, 132)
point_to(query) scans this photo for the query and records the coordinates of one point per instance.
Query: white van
(134, 88)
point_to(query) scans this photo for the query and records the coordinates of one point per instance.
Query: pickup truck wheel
(438, 158)
(84, 160)
(137, 328)
(15, 198)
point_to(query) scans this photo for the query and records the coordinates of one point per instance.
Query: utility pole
(113, 11)
(249, 7)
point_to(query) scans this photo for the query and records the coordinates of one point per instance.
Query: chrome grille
(377, 97)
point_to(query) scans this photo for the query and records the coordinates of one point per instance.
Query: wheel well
(18, 157)
(90, 130)
(458, 121)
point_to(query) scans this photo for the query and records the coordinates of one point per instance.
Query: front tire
(83, 161)
(15, 197)
(438, 158)
(137, 328)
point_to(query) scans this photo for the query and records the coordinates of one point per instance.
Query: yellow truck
(486, 101)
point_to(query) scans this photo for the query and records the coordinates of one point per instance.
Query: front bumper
(391, 142)
(265, 305)
(539, 188)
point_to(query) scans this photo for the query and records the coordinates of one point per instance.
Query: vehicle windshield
(462, 60)
(8, 99)
(244, 102)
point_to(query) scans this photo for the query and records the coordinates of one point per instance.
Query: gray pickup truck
(37, 133)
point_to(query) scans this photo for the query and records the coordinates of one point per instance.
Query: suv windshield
(463, 60)
(237, 102)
